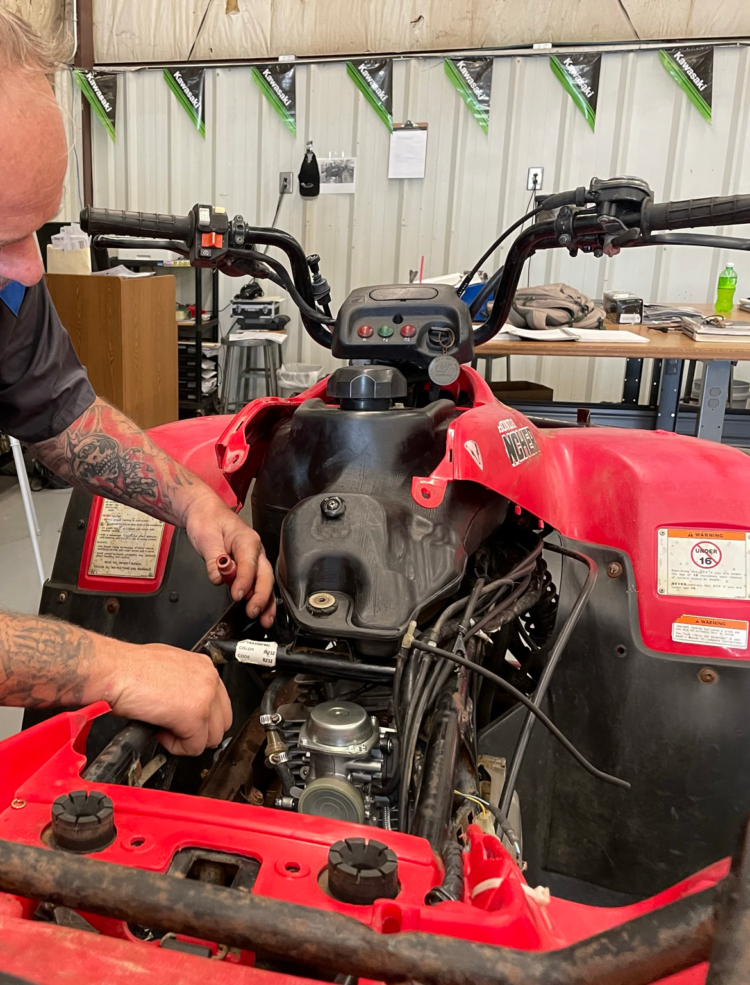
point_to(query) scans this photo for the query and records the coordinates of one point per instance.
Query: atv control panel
(411, 323)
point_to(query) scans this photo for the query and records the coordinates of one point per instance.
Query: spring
(385, 812)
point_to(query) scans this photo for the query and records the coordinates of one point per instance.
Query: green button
(385, 331)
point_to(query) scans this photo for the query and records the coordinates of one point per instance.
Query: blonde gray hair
(22, 48)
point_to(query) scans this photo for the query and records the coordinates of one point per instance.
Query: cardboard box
(623, 308)
(512, 391)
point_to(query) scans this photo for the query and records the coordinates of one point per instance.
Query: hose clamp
(274, 719)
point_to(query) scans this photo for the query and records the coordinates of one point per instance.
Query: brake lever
(102, 241)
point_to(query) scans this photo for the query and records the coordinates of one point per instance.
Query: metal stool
(238, 370)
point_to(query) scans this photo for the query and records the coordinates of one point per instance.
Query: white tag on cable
(262, 654)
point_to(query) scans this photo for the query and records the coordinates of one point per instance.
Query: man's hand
(180, 691)
(46, 663)
(214, 529)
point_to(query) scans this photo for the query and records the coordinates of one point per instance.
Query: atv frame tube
(641, 951)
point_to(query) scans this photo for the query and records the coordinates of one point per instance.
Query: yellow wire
(468, 796)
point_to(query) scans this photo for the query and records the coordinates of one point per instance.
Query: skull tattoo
(98, 460)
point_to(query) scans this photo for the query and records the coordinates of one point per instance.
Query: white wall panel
(475, 183)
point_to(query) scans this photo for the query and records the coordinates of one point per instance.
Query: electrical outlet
(286, 182)
(534, 180)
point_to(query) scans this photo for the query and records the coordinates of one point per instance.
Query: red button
(365, 331)
(212, 239)
(408, 331)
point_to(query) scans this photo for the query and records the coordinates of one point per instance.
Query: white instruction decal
(127, 543)
(709, 631)
(704, 563)
(262, 654)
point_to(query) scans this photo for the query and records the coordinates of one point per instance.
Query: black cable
(487, 253)
(511, 777)
(281, 272)
(528, 703)
(275, 218)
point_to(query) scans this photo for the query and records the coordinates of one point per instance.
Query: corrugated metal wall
(475, 183)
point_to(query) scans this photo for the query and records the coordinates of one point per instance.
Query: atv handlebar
(605, 217)
(731, 210)
(110, 221)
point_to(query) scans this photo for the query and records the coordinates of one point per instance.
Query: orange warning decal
(709, 534)
(711, 621)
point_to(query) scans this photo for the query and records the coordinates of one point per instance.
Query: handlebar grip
(731, 210)
(149, 224)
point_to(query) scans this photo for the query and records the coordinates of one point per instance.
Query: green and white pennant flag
(579, 74)
(100, 89)
(472, 78)
(374, 79)
(278, 83)
(693, 71)
(188, 85)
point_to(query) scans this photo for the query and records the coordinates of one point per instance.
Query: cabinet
(125, 334)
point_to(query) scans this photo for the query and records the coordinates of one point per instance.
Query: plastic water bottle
(726, 289)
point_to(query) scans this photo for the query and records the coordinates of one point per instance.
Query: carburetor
(342, 754)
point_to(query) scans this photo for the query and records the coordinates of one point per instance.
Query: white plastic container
(296, 377)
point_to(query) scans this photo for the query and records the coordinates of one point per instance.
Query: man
(47, 402)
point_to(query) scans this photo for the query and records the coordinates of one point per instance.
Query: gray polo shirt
(43, 387)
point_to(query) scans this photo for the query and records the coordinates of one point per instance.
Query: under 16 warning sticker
(709, 564)
(708, 631)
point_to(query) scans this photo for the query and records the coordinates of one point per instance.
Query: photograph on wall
(338, 175)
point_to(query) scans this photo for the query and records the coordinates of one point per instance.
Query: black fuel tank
(382, 557)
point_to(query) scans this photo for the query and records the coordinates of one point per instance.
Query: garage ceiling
(205, 30)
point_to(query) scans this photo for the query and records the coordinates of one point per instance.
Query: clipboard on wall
(408, 152)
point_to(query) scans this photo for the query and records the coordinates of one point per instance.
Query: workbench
(671, 349)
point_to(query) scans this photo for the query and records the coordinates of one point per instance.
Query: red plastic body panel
(612, 487)
(193, 443)
(498, 906)
(241, 447)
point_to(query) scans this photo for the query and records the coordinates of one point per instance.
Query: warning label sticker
(708, 631)
(127, 543)
(709, 564)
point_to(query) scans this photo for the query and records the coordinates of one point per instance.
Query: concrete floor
(20, 590)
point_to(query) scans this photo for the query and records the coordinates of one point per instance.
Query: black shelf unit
(192, 400)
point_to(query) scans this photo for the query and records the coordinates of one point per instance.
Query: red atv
(505, 700)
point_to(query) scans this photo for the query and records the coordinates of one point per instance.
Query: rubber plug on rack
(83, 822)
(362, 871)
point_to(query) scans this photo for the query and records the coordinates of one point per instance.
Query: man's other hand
(177, 690)
(214, 529)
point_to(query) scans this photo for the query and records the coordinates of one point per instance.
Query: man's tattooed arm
(104, 452)
(43, 662)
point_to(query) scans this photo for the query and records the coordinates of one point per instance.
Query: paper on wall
(408, 154)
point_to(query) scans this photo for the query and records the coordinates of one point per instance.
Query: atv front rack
(711, 924)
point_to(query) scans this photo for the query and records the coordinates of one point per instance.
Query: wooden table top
(661, 345)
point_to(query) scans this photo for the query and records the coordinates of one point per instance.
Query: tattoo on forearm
(103, 452)
(43, 662)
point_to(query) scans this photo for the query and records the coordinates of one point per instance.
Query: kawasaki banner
(278, 84)
(374, 79)
(693, 70)
(472, 77)
(100, 88)
(579, 75)
(188, 84)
